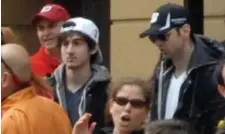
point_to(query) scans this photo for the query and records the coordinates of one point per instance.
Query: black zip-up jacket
(94, 93)
(199, 102)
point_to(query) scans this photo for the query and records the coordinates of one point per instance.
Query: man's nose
(69, 48)
(46, 32)
(128, 107)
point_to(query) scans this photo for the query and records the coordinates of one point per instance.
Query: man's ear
(221, 90)
(186, 29)
(5, 79)
(94, 51)
(110, 106)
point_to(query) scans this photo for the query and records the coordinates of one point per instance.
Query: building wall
(19, 19)
(130, 55)
(214, 22)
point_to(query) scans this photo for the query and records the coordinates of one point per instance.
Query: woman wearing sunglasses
(129, 101)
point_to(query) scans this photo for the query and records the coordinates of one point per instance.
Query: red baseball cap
(51, 12)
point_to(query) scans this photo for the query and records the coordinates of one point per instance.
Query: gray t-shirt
(73, 101)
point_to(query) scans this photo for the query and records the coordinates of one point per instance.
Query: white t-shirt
(173, 94)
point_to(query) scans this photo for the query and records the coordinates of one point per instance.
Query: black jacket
(199, 102)
(95, 97)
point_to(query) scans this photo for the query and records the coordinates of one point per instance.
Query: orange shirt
(43, 64)
(26, 113)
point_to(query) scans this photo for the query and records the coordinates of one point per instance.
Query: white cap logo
(95, 33)
(154, 17)
(46, 8)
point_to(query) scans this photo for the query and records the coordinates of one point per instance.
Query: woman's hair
(115, 87)
(8, 36)
(144, 85)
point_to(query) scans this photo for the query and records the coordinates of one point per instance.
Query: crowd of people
(65, 89)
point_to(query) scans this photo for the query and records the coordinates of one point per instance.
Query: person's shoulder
(38, 65)
(38, 103)
(39, 68)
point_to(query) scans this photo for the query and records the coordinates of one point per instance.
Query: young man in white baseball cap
(81, 81)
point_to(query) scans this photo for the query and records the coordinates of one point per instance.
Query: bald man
(24, 112)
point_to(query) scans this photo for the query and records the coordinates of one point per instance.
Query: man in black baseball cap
(165, 18)
(184, 88)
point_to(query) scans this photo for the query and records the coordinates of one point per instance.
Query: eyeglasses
(15, 78)
(135, 103)
(6, 66)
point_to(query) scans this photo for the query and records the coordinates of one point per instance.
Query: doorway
(99, 12)
(196, 8)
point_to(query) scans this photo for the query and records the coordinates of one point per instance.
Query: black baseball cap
(165, 18)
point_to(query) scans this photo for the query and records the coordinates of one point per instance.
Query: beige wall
(130, 55)
(19, 20)
(214, 26)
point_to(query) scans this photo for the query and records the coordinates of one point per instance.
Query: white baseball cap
(87, 28)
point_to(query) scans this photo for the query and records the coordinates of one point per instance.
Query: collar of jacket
(17, 97)
(206, 52)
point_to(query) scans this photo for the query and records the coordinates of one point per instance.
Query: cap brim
(39, 17)
(154, 30)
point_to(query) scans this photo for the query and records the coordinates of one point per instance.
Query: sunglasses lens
(121, 101)
(137, 103)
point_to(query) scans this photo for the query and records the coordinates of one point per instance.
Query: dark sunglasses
(15, 78)
(6, 66)
(135, 103)
(162, 37)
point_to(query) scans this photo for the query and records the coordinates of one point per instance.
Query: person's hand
(82, 125)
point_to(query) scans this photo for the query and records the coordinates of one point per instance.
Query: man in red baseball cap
(48, 22)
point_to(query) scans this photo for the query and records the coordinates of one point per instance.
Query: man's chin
(49, 46)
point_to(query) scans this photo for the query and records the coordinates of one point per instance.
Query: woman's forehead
(130, 91)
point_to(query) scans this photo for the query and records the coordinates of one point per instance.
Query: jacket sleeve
(213, 102)
(15, 123)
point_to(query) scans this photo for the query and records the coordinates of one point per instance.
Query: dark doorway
(99, 12)
(196, 8)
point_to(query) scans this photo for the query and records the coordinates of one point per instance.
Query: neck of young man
(9, 91)
(54, 53)
(181, 61)
(77, 77)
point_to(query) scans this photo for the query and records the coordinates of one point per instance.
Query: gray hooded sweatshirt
(82, 101)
